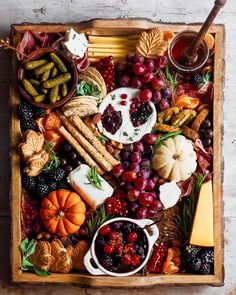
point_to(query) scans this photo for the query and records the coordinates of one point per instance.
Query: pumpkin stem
(60, 213)
(176, 156)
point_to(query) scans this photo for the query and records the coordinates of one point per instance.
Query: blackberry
(52, 186)
(42, 190)
(62, 185)
(24, 111)
(39, 113)
(28, 124)
(190, 252)
(195, 264)
(57, 174)
(197, 79)
(29, 182)
(205, 269)
(40, 178)
(207, 256)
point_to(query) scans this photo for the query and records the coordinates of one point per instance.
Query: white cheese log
(92, 195)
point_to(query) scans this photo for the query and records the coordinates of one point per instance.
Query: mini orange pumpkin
(62, 212)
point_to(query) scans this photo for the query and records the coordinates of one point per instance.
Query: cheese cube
(202, 230)
(94, 196)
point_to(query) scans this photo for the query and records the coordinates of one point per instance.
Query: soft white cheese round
(127, 133)
(169, 194)
(76, 44)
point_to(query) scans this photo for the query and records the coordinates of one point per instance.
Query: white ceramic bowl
(152, 235)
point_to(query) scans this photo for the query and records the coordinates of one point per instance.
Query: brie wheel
(127, 133)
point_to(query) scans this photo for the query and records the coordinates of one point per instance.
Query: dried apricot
(186, 101)
(168, 35)
(169, 267)
(53, 136)
(170, 254)
(52, 122)
(176, 261)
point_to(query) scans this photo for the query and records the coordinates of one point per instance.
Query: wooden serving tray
(116, 27)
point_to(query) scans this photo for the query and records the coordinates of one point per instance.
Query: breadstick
(79, 124)
(86, 145)
(79, 149)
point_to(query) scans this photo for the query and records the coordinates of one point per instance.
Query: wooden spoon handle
(197, 41)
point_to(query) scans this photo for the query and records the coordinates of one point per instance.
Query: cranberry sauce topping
(111, 119)
(139, 113)
(121, 246)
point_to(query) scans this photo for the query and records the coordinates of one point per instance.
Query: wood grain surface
(76, 10)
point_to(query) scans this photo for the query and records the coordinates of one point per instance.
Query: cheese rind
(93, 196)
(202, 230)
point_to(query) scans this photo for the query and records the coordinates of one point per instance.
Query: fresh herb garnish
(172, 79)
(84, 88)
(185, 221)
(125, 133)
(54, 161)
(131, 138)
(113, 96)
(27, 248)
(102, 138)
(164, 137)
(136, 129)
(98, 217)
(94, 179)
(206, 77)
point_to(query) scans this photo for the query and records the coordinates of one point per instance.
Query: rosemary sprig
(5, 43)
(54, 161)
(172, 79)
(164, 137)
(27, 248)
(98, 217)
(102, 138)
(185, 221)
(94, 179)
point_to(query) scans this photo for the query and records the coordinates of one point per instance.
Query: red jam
(111, 119)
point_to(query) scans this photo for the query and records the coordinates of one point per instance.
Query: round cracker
(95, 75)
(78, 102)
(81, 111)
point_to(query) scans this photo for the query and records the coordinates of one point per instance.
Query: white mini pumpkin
(175, 159)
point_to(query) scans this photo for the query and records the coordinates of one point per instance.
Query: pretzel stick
(79, 124)
(79, 149)
(85, 144)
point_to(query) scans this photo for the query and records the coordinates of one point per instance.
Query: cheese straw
(79, 124)
(85, 144)
(79, 149)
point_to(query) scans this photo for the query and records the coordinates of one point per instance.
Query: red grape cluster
(106, 68)
(139, 182)
(139, 72)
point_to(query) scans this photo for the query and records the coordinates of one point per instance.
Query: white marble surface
(12, 11)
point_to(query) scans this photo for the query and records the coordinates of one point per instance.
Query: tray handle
(153, 236)
(90, 268)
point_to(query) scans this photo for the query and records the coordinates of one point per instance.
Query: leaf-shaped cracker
(36, 163)
(151, 43)
(62, 262)
(32, 143)
(42, 257)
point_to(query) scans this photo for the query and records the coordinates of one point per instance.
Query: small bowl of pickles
(47, 79)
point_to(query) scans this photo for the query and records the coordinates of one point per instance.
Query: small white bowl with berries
(121, 247)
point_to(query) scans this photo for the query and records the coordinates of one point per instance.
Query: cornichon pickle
(58, 62)
(44, 90)
(58, 97)
(64, 89)
(53, 94)
(53, 72)
(31, 65)
(45, 76)
(39, 98)
(29, 87)
(44, 68)
(57, 81)
(35, 82)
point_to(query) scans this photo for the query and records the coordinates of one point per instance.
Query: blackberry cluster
(198, 260)
(27, 115)
(41, 185)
